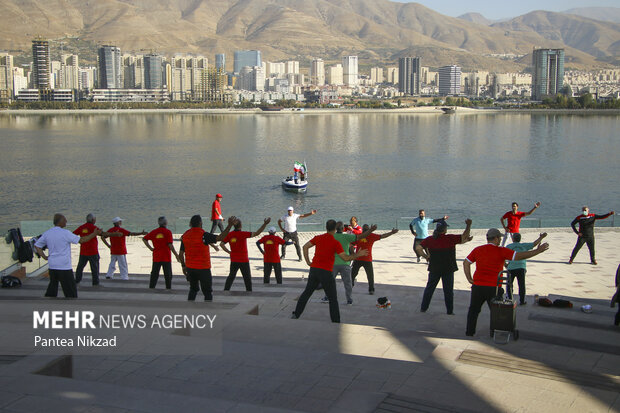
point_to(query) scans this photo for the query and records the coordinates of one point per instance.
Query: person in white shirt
(290, 229)
(58, 241)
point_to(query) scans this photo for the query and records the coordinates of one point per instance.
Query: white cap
(116, 219)
(272, 229)
(291, 208)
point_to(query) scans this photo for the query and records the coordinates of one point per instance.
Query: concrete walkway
(258, 359)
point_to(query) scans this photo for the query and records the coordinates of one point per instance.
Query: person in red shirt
(238, 252)
(162, 247)
(217, 218)
(489, 260)
(511, 220)
(89, 251)
(321, 269)
(118, 248)
(195, 258)
(353, 227)
(271, 255)
(366, 261)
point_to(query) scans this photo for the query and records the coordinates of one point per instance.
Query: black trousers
(370, 274)
(519, 273)
(245, 271)
(293, 237)
(199, 280)
(67, 282)
(217, 223)
(447, 281)
(94, 268)
(167, 266)
(479, 295)
(319, 276)
(277, 269)
(580, 241)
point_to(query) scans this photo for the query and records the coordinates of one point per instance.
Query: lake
(382, 167)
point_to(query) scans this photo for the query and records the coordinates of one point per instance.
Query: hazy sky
(502, 9)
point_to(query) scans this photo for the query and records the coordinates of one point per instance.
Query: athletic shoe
(349, 302)
(294, 316)
(523, 303)
(371, 292)
(325, 300)
(299, 260)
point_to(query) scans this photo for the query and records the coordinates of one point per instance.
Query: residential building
(87, 78)
(548, 76)
(335, 75)
(450, 80)
(392, 75)
(292, 66)
(376, 75)
(251, 78)
(69, 72)
(317, 72)
(409, 75)
(350, 71)
(41, 65)
(6, 74)
(133, 71)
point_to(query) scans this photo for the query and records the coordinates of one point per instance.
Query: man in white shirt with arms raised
(290, 229)
(58, 240)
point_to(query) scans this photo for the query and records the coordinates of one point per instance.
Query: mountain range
(378, 31)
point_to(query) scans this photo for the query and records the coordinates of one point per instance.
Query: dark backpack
(23, 250)
(8, 281)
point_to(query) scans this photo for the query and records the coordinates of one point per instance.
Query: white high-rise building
(251, 78)
(20, 81)
(334, 75)
(87, 78)
(69, 72)
(376, 75)
(350, 71)
(392, 75)
(317, 72)
(292, 66)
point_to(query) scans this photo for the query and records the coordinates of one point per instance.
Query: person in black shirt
(442, 262)
(585, 234)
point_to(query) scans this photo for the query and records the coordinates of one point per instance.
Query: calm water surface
(380, 167)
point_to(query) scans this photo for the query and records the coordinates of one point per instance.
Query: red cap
(219, 196)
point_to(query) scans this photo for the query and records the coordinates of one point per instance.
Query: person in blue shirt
(419, 229)
(517, 269)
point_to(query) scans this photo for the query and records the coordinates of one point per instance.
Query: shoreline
(434, 110)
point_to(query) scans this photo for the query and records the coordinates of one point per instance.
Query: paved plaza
(257, 359)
